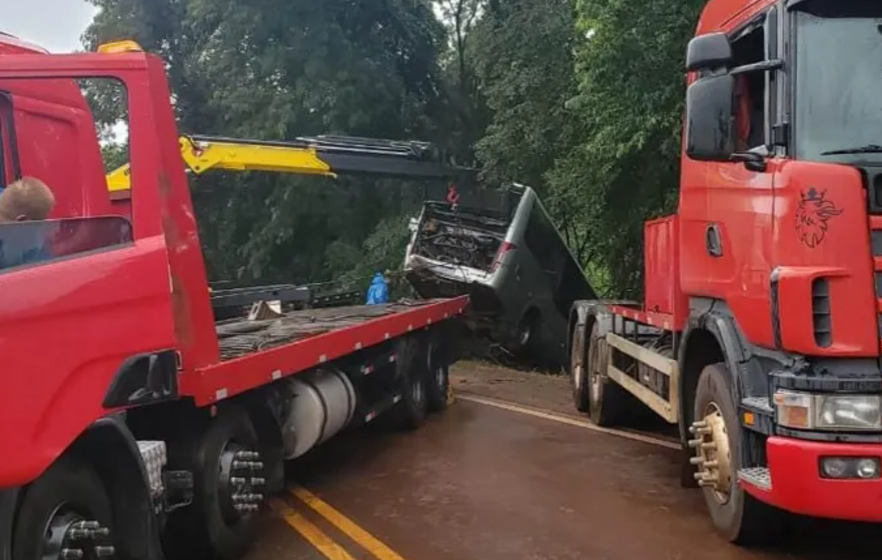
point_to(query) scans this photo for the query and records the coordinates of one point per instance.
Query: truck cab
(760, 331)
(781, 237)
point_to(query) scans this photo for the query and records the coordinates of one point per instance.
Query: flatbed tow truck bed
(254, 353)
(240, 337)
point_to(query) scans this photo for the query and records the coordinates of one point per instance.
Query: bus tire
(69, 492)
(607, 402)
(736, 515)
(438, 373)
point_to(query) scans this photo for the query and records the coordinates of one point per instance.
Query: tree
(631, 87)
(275, 70)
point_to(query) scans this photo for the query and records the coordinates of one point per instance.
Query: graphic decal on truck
(812, 216)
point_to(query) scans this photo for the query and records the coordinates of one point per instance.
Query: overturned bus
(502, 249)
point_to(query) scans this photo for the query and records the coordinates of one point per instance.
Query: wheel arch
(710, 337)
(110, 448)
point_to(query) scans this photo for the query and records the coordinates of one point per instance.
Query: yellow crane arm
(201, 156)
(325, 155)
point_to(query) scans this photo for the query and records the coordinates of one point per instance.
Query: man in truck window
(25, 200)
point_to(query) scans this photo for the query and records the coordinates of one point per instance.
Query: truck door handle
(714, 241)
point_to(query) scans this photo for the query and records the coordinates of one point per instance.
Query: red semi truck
(136, 425)
(760, 331)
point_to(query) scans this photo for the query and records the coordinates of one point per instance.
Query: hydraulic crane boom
(324, 155)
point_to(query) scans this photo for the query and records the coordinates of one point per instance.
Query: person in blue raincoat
(378, 292)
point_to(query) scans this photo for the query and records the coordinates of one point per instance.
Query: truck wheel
(737, 516)
(410, 412)
(66, 513)
(228, 475)
(607, 402)
(439, 377)
(578, 367)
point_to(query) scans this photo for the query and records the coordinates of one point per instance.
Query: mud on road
(485, 482)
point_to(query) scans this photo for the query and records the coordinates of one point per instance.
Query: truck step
(759, 405)
(154, 456)
(757, 476)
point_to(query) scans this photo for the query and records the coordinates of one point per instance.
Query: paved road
(480, 482)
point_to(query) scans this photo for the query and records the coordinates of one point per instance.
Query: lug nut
(696, 460)
(694, 442)
(104, 551)
(72, 554)
(247, 455)
(257, 481)
(237, 480)
(712, 465)
(704, 430)
(77, 533)
(709, 446)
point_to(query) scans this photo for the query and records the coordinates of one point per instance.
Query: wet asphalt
(478, 482)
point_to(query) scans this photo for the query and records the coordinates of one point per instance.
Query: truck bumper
(795, 483)
(8, 500)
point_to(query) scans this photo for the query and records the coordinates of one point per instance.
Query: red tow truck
(760, 331)
(134, 424)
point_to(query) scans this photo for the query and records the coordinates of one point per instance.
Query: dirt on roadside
(530, 388)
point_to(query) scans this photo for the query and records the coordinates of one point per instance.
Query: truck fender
(110, 447)
(733, 351)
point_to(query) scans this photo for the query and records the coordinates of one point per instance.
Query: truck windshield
(839, 80)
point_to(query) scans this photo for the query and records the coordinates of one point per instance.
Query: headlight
(829, 412)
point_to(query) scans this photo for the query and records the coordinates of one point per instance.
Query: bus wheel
(578, 373)
(736, 515)
(438, 376)
(608, 403)
(66, 513)
(524, 334)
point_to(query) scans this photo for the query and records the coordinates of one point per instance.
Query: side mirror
(710, 109)
(708, 51)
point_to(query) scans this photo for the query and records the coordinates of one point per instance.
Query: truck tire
(438, 376)
(68, 493)
(608, 403)
(736, 515)
(211, 527)
(411, 411)
(578, 371)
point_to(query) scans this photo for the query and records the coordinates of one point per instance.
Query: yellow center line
(344, 524)
(322, 542)
(504, 405)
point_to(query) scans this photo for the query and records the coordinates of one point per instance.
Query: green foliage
(624, 167)
(278, 69)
